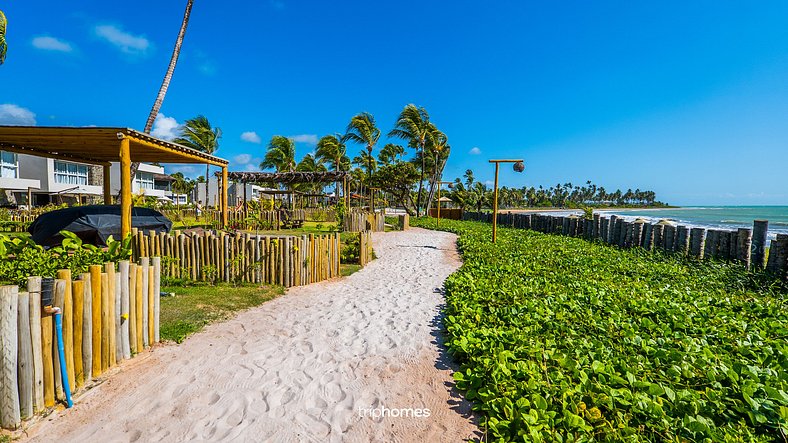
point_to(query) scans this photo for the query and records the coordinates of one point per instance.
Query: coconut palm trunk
(421, 182)
(165, 84)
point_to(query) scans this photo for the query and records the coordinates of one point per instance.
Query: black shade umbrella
(93, 224)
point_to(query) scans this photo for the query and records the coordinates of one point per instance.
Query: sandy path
(298, 368)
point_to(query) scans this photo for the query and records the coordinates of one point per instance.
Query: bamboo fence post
(150, 305)
(133, 308)
(744, 246)
(139, 287)
(48, 364)
(9, 342)
(87, 328)
(105, 322)
(760, 230)
(95, 287)
(59, 300)
(25, 356)
(144, 264)
(78, 293)
(34, 291)
(118, 335)
(156, 297)
(123, 267)
(68, 325)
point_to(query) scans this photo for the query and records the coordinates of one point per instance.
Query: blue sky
(688, 99)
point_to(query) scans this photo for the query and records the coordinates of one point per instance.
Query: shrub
(23, 258)
(561, 339)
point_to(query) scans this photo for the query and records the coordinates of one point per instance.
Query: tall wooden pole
(107, 186)
(495, 204)
(224, 196)
(125, 187)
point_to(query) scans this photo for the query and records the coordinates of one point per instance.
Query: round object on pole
(519, 167)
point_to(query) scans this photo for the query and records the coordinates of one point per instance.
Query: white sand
(297, 368)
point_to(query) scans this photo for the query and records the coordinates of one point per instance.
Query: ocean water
(725, 217)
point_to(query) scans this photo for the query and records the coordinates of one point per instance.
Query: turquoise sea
(728, 217)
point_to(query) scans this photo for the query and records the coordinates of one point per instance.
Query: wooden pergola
(102, 146)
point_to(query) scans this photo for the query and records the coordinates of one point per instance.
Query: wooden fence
(744, 245)
(219, 256)
(358, 221)
(365, 248)
(447, 213)
(108, 315)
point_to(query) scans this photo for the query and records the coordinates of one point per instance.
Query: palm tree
(181, 185)
(331, 149)
(3, 45)
(413, 125)
(197, 133)
(311, 163)
(176, 52)
(280, 154)
(438, 149)
(362, 130)
(170, 69)
(390, 152)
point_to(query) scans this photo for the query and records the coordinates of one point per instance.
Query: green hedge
(561, 339)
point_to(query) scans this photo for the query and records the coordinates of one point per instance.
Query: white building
(57, 181)
(11, 182)
(149, 180)
(49, 180)
(235, 193)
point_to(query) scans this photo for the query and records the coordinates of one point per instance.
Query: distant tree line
(472, 194)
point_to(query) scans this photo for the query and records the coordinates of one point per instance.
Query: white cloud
(165, 128)
(187, 170)
(475, 151)
(251, 137)
(310, 139)
(251, 167)
(16, 115)
(489, 183)
(242, 158)
(126, 42)
(48, 43)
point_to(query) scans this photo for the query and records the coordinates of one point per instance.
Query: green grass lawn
(561, 339)
(193, 307)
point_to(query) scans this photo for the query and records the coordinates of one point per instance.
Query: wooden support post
(744, 247)
(760, 230)
(9, 342)
(106, 328)
(697, 237)
(125, 187)
(68, 325)
(78, 293)
(156, 297)
(145, 261)
(34, 290)
(95, 287)
(87, 328)
(59, 300)
(107, 186)
(124, 308)
(138, 307)
(25, 349)
(224, 196)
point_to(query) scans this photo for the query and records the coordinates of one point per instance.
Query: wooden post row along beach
(746, 246)
(266, 259)
(96, 309)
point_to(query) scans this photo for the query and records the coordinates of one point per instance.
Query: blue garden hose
(62, 355)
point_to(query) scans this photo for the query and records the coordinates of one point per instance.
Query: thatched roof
(287, 177)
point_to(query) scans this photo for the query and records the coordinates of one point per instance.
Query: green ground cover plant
(561, 339)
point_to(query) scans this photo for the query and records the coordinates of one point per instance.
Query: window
(71, 173)
(144, 180)
(9, 165)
